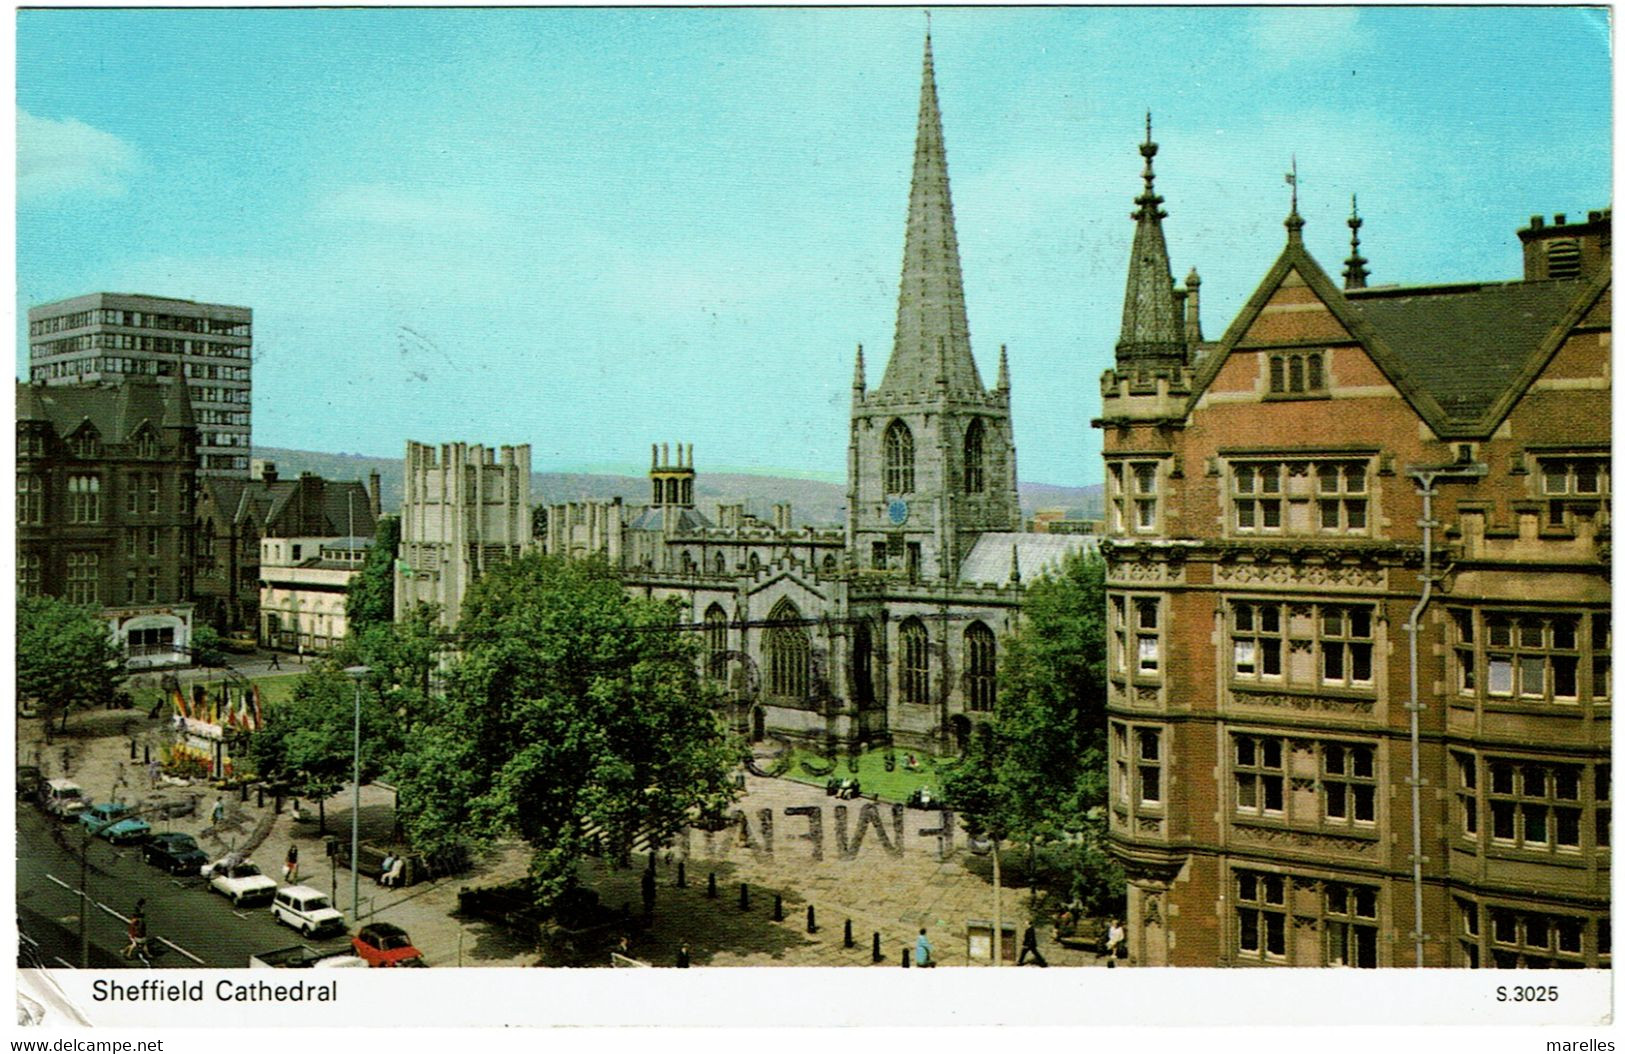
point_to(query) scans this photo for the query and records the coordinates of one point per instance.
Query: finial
(1294, 222)
(1148, 201)
(1003, 384)
(1015, 564)
(858, 382)
(1354, 268)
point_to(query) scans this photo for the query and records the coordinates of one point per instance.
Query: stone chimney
(375, 494)
(267, 471)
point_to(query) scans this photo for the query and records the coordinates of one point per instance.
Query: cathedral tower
(932, 461)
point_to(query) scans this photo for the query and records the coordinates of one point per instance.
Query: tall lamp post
(356, 673)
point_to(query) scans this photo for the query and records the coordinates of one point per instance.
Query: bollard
(874, 953)
(711, 886)
(132, 749)
(146, 753)
(906, 954)
(778, 908)
(277, 810)
(259, 796)
(744, 897)
(682, 879)
(812, 920)
(848, 938)
(242, 793)
(651, 861)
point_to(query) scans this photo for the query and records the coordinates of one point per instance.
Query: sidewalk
(841, 857)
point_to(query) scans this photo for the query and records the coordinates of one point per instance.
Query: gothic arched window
(788, 652)
(863, 685)
(981, 667)
(973, 457)
(716, 640)
(721, 564)
(1277, 373)
(914, 675)
(1294, 368)
(899, 459)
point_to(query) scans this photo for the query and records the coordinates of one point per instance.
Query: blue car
(129, 829)
(97, 816)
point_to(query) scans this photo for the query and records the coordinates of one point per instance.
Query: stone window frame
(83, 583)
(30, 573)
(1334, 641)
(1519, 938)
(1261, 779)
(1298, 374)
(914, 662)
(1138, 778)
(1565, 812)
(1268, 910)
(1562, 478)
(1499, 653)
(1135, 625)
(789, 655)
(716, 641)
(897, 448)
(1336, 499)
(981, 667)
(975, 442)
(30, 499)
(1134, 486)
(85, 498)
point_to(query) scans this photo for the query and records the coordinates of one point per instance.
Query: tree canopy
(573, 706)
(308, 741)
(1036, 770)
(372, 592)
(66, 657)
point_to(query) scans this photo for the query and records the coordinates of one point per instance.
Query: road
(189, 925)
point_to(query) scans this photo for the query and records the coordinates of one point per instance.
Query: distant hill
(812, 501)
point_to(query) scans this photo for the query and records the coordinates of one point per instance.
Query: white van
(62, 798)
(307, 910)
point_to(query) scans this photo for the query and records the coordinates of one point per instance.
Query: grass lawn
(274, 689)
(894, 786)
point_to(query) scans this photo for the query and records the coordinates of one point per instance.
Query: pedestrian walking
(219, 811)
(922, 950)
(137, 929)
(682, 956)
(1116, 943)
(1029, 946)
(291, 868)
(152, 774)
(275, 665)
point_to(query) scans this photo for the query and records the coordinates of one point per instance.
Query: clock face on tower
(897, 511)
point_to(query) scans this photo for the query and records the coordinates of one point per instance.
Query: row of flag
(239, 709)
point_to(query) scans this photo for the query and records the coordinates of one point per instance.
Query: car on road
(102, 814)
(239, 880)
(175, 852)
(126, 831)
(384, 944)
(307, 910)
(62, 798)
(28, 781)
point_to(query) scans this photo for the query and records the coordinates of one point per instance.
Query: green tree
(206, 649)
(371, 601)
(573, 706)
(65, 656)
(308, 741)
(1035, 772)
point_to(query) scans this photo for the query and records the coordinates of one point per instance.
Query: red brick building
(1341, 735)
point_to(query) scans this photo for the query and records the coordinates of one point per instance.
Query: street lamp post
(356, 673)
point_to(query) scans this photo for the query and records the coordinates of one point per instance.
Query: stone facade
(105, 481)
(464, 511)
(304, 591)
(1338, 737)
(886, 629)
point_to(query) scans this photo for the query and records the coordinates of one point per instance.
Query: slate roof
(265, 504)
(116, 410)
(988, 562)
(1466, 346)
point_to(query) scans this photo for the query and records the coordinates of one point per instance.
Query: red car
(382, 944)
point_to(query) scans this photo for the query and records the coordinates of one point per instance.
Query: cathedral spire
(1152, 334)
(1354, 269)
(931, 297)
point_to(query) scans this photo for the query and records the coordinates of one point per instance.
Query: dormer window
(146, 444)
(87, 445)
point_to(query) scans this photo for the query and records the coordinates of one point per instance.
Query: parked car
(28, 781)
(126, 831)
(302, 957)
(62, 798)
(240, 880)
(176, 853)
(103, 814)
(383, 944)
(307, 910)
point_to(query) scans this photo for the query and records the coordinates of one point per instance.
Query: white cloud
(436, 210)
(58, 159)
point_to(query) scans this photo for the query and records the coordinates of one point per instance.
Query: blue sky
(590, 230)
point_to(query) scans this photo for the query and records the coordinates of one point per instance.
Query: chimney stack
(376, 494)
